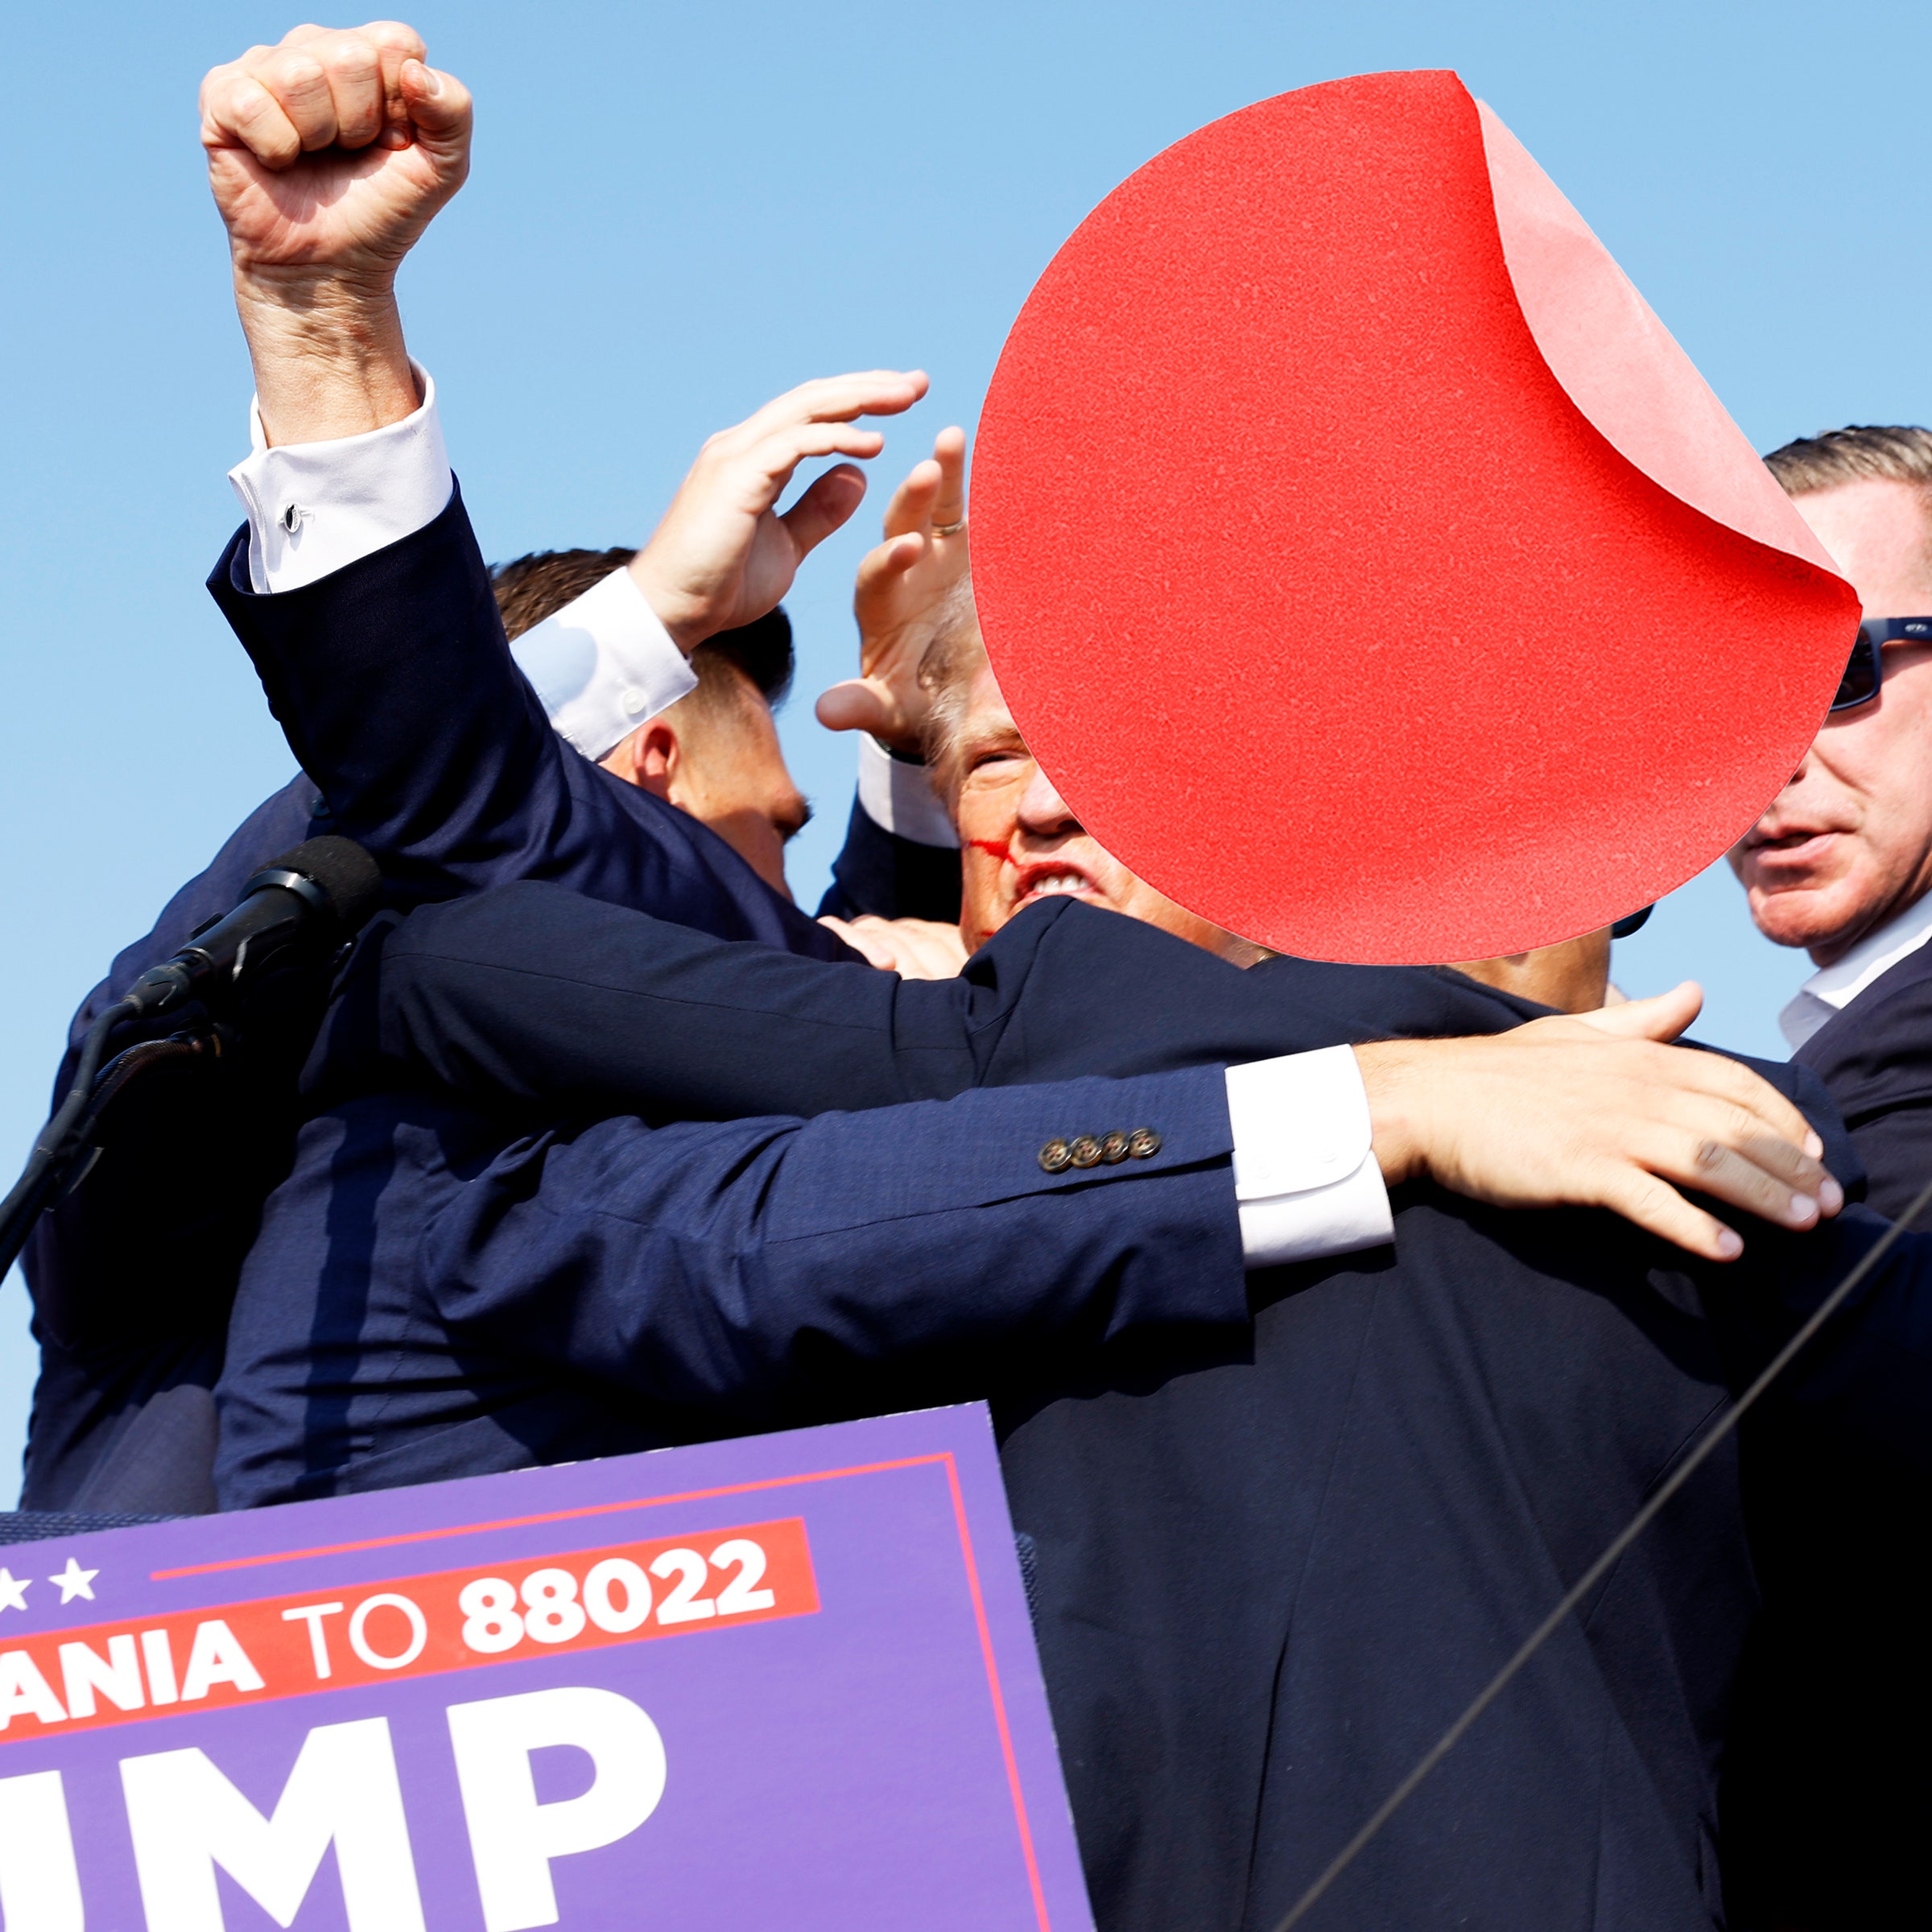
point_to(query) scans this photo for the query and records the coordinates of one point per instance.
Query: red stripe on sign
(411, 1626)
(999, 1696)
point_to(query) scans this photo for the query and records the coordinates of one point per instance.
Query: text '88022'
(413, 1626)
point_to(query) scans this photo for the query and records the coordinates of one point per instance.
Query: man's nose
(1806, 766)
(1042, 811)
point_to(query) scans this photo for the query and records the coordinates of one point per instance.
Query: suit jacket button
(1113, 1148)
(1143, 1143)
(1085, 1151)
(1055, 1156)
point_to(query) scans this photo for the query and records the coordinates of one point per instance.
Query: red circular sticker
(1364, 561)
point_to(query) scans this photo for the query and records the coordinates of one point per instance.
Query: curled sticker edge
(1623, 370)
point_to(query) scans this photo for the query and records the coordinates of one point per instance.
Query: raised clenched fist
(329, 154)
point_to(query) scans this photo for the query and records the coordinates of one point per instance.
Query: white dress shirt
(602, 666)
(897, 795)
(314, 507)
(1832, 988)
(1306, 1181)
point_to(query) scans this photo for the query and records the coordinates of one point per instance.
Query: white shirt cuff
(1307, 1184)
(603, 665)
(315, 508)
(898, 797)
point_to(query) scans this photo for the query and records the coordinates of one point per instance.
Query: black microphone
(307, 901)
(313, 899)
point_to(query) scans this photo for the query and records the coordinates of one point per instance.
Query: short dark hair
(1895, 452)
(530, 589)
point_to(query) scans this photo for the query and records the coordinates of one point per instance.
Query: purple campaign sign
(785, 1682)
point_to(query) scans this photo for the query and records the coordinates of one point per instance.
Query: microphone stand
(70, 1139)
(330, 880)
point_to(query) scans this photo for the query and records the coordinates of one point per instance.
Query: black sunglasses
(1860, 684)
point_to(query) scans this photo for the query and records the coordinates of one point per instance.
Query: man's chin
(1811, 916)
(976, 928)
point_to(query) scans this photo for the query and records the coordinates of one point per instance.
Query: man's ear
(651, 758)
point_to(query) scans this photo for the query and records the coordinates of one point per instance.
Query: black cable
(55, 1150)
(1595, 1574)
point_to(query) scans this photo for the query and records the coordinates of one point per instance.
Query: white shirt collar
(1832, 988)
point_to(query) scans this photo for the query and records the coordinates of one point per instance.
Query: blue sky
(676, 212)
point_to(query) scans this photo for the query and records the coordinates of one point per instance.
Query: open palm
(905, 586)
(724, 554)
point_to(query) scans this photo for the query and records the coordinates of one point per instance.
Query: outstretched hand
(1599, 1111)
(902, 587)
(723, 555)
(329, 154)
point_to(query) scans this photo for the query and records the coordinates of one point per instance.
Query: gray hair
(954, 658)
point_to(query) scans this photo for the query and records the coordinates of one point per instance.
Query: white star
(13, 1590)
(75, 1582)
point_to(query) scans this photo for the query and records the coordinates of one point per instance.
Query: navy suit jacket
(1843, 1674)
(132, 1274)
(395, 685)
(1252, 1545)
(439, 1288)
(1273, 1558)
(1876, 1060)
(896, 878)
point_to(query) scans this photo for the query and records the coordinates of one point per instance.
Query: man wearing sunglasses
(1841, 864)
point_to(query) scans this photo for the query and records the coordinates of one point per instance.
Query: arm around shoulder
(713, 1265)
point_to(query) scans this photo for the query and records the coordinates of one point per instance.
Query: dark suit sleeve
(1864, 1382)
(541, 995)
(132, 1272)
(1894, 1141)
(708, 1265)
(894, 879)
(1876, 1060)
(147, 1243)
(394, 683)
(544, 996)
